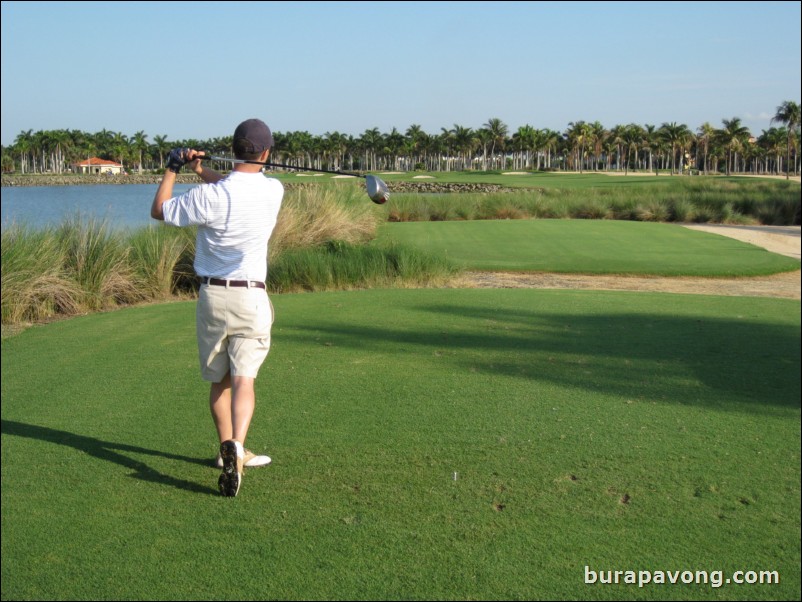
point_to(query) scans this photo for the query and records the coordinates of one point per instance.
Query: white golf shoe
(252, 460)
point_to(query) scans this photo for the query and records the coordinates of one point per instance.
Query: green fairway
(587, 246)
(426, 444)
(542, 179)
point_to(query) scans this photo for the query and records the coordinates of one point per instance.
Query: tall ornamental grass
(84, 266)
(316, 215)
(344, 266)
(686, 200)
(35, 285)
(321, 243)
(162, 258)
(97, 259)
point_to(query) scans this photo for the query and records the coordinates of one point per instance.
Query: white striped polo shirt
(235, 218)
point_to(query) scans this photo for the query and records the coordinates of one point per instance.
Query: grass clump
(97, 259)
(340, 265)
(162, 258)
(685, 200)
(35, 285)
(312, 216)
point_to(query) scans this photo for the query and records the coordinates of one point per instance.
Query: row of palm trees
(583, 146)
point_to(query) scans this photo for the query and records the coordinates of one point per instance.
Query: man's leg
(232, 403)
(243, 401)
(239, 392)
(220, 405)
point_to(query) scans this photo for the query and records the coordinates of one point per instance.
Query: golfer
(235, 216)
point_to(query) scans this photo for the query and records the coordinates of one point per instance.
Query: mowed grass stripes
(588, 247)
(427, 444)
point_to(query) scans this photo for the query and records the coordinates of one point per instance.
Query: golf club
(377, 189)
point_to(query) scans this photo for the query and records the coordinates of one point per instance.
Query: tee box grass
(426, 444)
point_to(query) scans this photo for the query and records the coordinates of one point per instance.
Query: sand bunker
(422, 177)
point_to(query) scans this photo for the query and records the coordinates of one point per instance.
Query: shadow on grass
(110, 452)
(725, 363)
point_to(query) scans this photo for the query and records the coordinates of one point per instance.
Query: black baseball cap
(253, 136)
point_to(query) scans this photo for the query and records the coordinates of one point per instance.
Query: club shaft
(268, 164)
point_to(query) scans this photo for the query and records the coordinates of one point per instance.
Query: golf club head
(377, 190)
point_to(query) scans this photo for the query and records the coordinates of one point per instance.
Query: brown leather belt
(239, 283)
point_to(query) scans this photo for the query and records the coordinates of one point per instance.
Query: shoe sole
(231, 477)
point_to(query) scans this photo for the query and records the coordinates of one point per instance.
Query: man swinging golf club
(235, 216)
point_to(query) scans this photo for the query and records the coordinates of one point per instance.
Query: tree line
(583, 146)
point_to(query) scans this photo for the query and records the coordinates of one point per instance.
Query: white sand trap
(515, 173)
(308, 175)
(423, 177)
(344, 177)
(391, 173)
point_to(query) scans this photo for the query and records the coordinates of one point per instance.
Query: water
(120, 206)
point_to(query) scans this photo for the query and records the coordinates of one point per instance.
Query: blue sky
(194, 70)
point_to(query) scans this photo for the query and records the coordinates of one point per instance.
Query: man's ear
(263, 157)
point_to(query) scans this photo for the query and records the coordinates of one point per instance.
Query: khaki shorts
(233, 326)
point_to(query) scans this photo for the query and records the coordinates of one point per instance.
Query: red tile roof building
(93, 165)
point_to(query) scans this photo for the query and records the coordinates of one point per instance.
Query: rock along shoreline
(189, 178)
(89, 180)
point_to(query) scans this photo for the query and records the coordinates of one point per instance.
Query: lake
(121, 206)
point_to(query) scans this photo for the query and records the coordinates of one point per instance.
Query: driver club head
(377, 189)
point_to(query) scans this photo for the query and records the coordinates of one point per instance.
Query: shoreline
(8, 181)
(20, 180)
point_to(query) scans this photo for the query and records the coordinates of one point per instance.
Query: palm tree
(615, 138)
(704, 137)
(578, 136)
(161, 146)
(120, 148)
(417, 143)
(497, 134)
(773, 142)
(550, 143)
(525, 141)
(139, 143)
(23, 145)
(788, 114)
(597, 137)
(464, 140)
(372, 142)
(631, 137)
(393, 147)
(675, 135)
(734, 136)
(649, 141)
